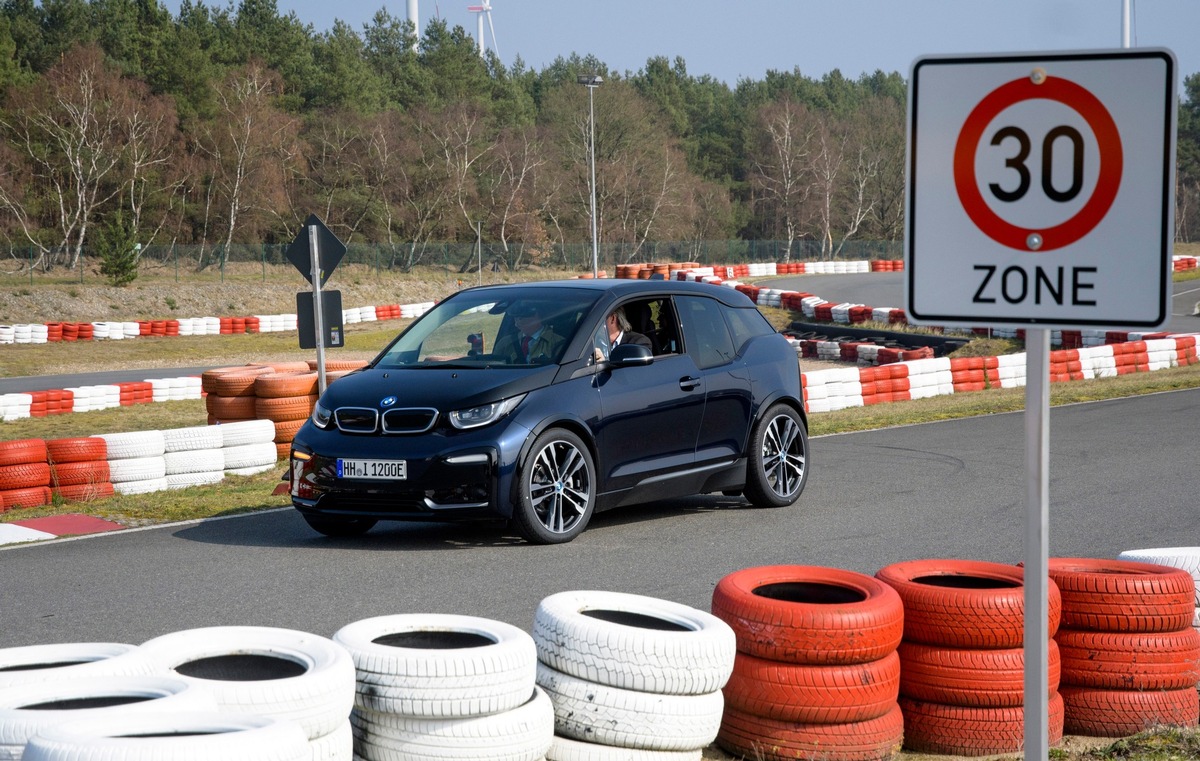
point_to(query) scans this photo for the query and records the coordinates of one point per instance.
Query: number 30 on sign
(1040, 189)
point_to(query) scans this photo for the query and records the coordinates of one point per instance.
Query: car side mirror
(630, 355)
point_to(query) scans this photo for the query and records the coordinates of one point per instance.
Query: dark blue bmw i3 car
(511, 402)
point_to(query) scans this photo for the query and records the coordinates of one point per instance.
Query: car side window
(705, 331)
(746, 324)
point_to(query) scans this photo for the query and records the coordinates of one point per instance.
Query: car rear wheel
(778, 467)
(556, 489)
(340, 526)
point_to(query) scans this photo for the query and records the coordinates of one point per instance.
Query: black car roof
(621, 287)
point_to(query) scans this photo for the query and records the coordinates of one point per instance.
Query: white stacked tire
(38, 664)
(28, 710)
(249, 446)
(194, 456)
(181, 736)
(631, 675)
(282, 674)
(445, 687)
(135, 461)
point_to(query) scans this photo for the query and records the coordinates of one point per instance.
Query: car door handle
(689, 383)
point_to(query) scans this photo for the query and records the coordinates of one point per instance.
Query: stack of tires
(434, 687)
(135, 461)
(79, 468)
(249, 447)
(229, 392)
(817, 674)
(1129, 651)
(279, 674)
(286, 399)
(962, 660)
(194, 456)
(24, 474)
(1184, 558)
(629, 676)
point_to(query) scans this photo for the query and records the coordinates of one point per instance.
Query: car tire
(778, 449)
(556, 488)
(339, 527)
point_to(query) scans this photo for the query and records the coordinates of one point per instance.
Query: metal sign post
(1037, 540)
(318, 314)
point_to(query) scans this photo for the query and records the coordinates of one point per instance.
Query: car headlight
(484, 414)
(321, 416)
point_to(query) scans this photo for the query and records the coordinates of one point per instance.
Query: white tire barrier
(194, 461)
(623, 718)
(134, 444)
(29, 709)
(264, 671)
(522, 734)
(193, 438)
(247, 432)
(171, 737)
(37, 664)
(566, 749)
(439, 666)
(250, 456)
(144, 486)
(634, 642)
(136, 469)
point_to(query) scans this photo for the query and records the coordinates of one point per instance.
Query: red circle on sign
(1111, 162)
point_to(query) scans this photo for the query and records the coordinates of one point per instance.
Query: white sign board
(1041, 189)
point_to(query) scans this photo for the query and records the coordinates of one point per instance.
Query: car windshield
(493, 327)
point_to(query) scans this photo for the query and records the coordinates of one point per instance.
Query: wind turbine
(485, 9)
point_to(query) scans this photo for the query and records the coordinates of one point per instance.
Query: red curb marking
(69, 525)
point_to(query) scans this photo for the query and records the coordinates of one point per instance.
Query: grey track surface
(1120, 478)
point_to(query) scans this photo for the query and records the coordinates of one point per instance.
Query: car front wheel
(556, 489)
(340, 526)
(778, 467)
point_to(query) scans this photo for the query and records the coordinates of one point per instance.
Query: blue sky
(744, 38)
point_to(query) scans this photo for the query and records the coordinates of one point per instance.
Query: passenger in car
(534, 342)
(618, 331)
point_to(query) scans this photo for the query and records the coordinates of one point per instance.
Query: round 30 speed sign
(1040, 189)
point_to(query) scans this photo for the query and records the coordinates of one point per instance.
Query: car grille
(411, 420)
(397, 422)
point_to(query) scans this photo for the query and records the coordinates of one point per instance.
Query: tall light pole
(592, 81)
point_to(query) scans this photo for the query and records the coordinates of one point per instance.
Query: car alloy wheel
(557, 485)
(779, 458)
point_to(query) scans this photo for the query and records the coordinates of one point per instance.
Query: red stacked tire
(816, 672)
(79, 468)
(286, 399)
(962, 661)
(24, 474)
(1129, 651)
(230, 392)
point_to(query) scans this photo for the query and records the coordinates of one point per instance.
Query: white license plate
(382, 469)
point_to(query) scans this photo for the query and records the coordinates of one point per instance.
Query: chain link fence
(214, 263)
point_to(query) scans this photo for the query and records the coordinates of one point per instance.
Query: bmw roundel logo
(387, 401)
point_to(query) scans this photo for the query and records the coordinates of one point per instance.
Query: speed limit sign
(1040, 189)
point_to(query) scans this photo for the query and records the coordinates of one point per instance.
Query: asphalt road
(1122, 476)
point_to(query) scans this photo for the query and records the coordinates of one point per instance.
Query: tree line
(121, 123)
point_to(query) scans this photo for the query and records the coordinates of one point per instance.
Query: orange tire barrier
(964, 603)
(1130, 660)
(231, 407)
(78, 473)
(30, 496)
(76, 449)
(1120, 713)
(24, 475)
(275, 385)
(826, 694)
(970, 677)
(808, 614)
(964, 731)
(284, 407)
(758, 737)
(84, 492)
(1122, 595)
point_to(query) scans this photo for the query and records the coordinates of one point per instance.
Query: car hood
(430, 387)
